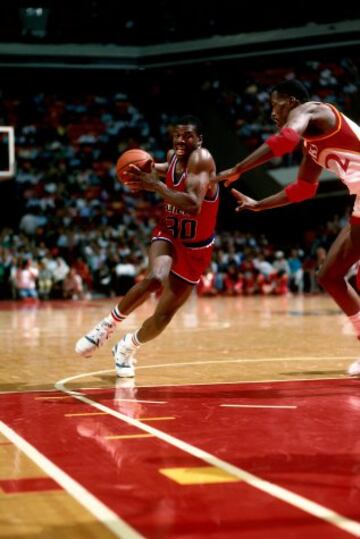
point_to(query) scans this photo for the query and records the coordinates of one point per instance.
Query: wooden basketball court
(241, 423)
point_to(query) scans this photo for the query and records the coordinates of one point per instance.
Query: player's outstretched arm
(303, 188)
(275, 146)
(256, 158)
(246, 203)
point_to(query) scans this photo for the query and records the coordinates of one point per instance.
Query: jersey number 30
(184, 229)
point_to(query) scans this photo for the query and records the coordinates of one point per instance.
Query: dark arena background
(242, 421)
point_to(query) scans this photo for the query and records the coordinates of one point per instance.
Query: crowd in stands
(246, 100)
(107, 261)
(81, 234)
(244, 264)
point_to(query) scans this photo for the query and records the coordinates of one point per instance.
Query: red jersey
(191, 236)
(192, 230)
(339, 151)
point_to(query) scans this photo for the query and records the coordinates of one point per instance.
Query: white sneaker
(87, 345)
(354, 369)
(124, 360)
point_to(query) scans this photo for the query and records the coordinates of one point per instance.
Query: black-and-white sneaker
(124, 359)
(88, 344)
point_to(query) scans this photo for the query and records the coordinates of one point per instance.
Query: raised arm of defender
(303, 188)
(283, 142)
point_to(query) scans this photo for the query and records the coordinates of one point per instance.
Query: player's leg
(344, 252)
(160, 260)
(354, 368)
(174, 295)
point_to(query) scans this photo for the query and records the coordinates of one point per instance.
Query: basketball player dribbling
(330, 141)
(181, 245)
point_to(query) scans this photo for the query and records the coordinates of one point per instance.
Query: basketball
(138, 157)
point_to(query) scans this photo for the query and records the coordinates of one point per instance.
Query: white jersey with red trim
(339, 151)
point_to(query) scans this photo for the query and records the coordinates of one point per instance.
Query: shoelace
(130, 360)
(103, 333)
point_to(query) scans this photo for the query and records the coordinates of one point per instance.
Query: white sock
(132, 341)
(355, 320)
(116, 316)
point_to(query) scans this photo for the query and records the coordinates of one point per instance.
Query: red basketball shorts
(188, 262)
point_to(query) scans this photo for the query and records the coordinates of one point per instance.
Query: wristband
(301, 190)
(284, 142)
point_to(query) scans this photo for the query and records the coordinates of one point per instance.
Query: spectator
(280, 263)
(233, 281)
(206, 286)
(44, 280)
(296, 282)
(72, 285)
(125, 272)
(59, 272)
(280, 283)
(25, 280)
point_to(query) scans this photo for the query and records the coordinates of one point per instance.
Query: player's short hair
(191, 120)
(292, 88)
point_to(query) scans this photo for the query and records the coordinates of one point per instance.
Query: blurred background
(81, 82)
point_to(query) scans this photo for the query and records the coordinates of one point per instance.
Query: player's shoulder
(200, 154)
(201, 160)
(314, 110)
(314, 107)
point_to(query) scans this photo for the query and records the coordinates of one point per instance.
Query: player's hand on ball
(144, 180)
(244, 202)
(130, 164)
(132, 184)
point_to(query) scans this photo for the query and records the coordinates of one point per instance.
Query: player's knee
(155, 281)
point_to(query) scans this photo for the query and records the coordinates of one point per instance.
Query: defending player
(330, 141)
(181, 245)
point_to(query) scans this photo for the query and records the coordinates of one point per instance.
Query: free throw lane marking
(50, 398)
(107, 517)
(80, 414)
(289, 407)
(127, 436)
(141, 401)
(199, 475)
(287, 496)
(156, 418)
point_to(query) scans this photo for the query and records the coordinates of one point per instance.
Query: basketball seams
(135, 156)
(133, 163)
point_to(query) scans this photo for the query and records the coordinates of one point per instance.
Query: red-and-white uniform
(192, 236)
(339, 152)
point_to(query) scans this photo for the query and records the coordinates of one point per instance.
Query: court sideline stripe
(287, 496)
(102, 513)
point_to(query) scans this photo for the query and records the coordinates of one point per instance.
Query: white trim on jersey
(184, 278)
